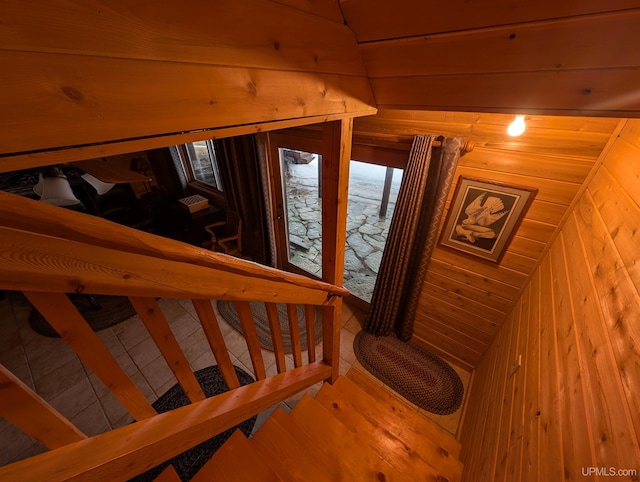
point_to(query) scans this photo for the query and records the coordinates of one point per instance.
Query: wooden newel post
(336, 156)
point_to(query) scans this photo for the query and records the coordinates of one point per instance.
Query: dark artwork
(482, 217)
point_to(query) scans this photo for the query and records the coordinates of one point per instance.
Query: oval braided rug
(412, 371)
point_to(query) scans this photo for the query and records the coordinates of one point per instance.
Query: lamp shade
(100, 186)
(57, 191)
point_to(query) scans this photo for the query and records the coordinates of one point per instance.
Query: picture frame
(484, 216)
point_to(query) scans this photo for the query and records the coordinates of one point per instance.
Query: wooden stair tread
(236, 461)
(339, 442)
(294, 455)
(393, 442)
(401, 410)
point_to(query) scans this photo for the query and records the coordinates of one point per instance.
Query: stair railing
(46, 252)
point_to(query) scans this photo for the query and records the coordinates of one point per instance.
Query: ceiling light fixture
(517, 127)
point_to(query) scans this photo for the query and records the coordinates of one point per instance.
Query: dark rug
(188, 463)
(228, 311)
(105, 312)
(412, 371)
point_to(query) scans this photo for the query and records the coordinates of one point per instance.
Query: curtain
(239, 167)
(412, 236)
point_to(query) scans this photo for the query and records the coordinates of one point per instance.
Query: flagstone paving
(366, 230)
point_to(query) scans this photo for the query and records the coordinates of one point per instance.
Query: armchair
(226, 236)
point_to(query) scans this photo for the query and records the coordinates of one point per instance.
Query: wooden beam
(72, 100)
(336, 156)
(125, 452)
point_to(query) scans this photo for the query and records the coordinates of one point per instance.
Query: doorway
(297, 180)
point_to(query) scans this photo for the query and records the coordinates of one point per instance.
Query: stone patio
(366, 230)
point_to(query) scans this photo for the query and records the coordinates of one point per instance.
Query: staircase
(352, 430)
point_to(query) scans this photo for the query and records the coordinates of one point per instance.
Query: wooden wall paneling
(378, 19)
(517, 262)
(483, 338)
(531, 451)
(569, 124)
(529, 248)
(582, 92)
(499, 471)
(450, 348)
(468, 304)
(551, 397)
(611, 424)
(328, 9)
(617, 294)
(560, 192)
(517, 426)
(562, 168)
(536, 230)
(454, 331)
(479, 267)
(546, 212)
(435, 305)
(581, 42)
(495, 419)
(578, 448)
(476, 280)
(272, 36)
(72, 99)
(489, 131)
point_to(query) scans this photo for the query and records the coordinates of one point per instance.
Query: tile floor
(53, 370)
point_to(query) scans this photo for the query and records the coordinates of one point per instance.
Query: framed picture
(484, 216)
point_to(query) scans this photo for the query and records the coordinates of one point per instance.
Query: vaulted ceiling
(94, 78)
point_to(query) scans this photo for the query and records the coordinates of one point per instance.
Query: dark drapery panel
(240, 172)
(412, 236)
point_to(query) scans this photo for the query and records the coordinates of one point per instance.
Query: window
(200, 163)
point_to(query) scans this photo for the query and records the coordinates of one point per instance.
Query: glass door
(300, 221)
(373, 190)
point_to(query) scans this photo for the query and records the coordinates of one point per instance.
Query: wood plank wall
(79, 73)
(568, 58)
(464, 300)
(573, 403)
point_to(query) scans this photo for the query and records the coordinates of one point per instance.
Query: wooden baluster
(276, 336)
(310, 317)
(294, 330)
(211, 328)
(250, 335)
(25, 409)
(331, 325)
(58, 310)
(159, 329)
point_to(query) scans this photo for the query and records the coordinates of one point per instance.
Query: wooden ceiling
(464, 299)
(574, 57)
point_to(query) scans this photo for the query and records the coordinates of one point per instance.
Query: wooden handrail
(29, 215)
(34, 262)
(130, 450)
